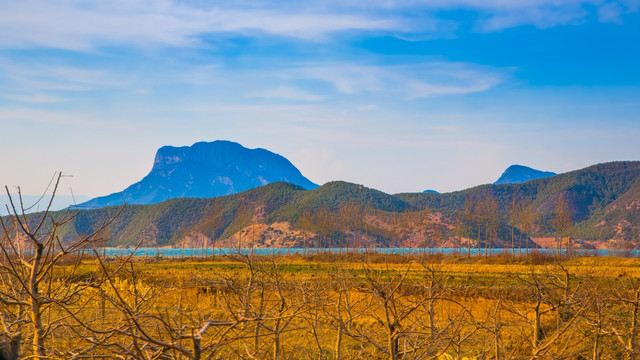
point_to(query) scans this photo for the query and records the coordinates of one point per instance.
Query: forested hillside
(599, 203)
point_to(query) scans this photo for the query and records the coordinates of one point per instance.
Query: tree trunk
(469, 244)
(276, 347)
(393, 343)
(633, 333)
(197, 347)
(513, 239)
(596, 347)
(497, 344)
(37, 344)
(340, 330)
(432, 317)
(10, 350)
(537, 328)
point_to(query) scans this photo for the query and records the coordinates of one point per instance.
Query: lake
(200, 252)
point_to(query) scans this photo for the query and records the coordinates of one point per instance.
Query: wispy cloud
(85, 26)
(632, 5)
(367, 107)
(286, 93)
(408, 81)
(503, 14)
(493, 15)
(610, 13)
(80, 25)
(540, 17)
(36, 98)
(26, 115)
(40, 76)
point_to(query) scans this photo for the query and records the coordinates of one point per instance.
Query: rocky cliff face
(205, 170)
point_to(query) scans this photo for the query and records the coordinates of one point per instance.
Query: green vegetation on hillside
(602, 201)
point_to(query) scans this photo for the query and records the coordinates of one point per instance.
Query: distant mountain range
(35, 203)
(204, 170)
(603, 200)
(517, 174)
(211, 169)
(223, 194)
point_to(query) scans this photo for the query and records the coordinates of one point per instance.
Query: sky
(400, 96)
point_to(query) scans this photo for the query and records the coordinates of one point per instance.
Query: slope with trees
(601, 203)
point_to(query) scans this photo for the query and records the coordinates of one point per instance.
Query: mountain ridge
(602, 199)
(205, 169)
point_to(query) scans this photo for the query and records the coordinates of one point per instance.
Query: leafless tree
(467, 221)
(346, 310)
(318, 299)
(552, 304)
(624, 321)
(399, 306)
(562, 223)
(515, 212)
(488, 209)
(526, 221)
(149, 327)
(38, 299)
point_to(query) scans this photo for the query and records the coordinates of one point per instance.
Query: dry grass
(469, 299)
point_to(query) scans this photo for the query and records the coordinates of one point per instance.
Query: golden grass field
(341, 306)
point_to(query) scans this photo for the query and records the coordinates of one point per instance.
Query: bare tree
(562, 223)
(346, 311)
(37, 297)
(400, 306)
(467, 221)
(624, 321)
(526, 220)
(282, 306)
(552, 305)
(317, 295)
(515, 212)
(149, 327)
(488, 208)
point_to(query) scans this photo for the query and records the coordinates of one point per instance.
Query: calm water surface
(199, 252)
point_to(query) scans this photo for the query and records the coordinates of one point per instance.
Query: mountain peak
(516, 174)
(430, 191)
(206, 169)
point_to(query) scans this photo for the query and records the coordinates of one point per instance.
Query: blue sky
(400, 96)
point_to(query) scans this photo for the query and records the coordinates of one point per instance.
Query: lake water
(199, 252)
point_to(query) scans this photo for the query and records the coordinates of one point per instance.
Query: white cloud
(79, 25)
(41, 76)
(407, 81)
(610, 13)
(367, 107)
(347, 78)
(287, 93)
(632, 5)
(539, 17)
(495, 15)
(36, 98)
(86, 26)
(25, 115)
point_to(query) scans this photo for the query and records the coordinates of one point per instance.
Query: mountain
(429, 191)
(35, 203)
(603, 202)
(516, 174)
(205, 169)
(277, 214)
